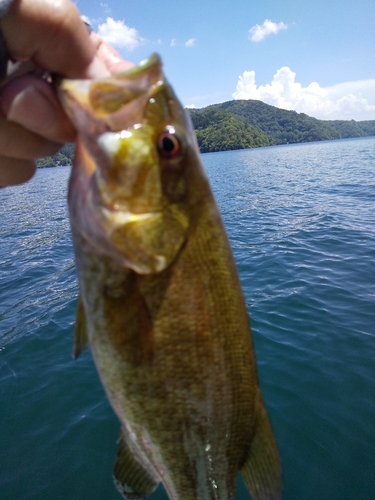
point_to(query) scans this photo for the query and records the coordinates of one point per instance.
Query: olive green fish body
(160, 299)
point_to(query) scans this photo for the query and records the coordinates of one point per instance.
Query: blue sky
(316, 57)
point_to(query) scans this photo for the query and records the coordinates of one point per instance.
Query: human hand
(32, 121)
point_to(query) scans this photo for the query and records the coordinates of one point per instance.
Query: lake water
(301, 220)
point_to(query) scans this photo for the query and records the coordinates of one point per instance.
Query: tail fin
(262, 468)
(131, 478)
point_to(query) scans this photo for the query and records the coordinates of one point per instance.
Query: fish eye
(169, 145)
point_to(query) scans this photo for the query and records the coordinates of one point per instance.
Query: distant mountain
(218, 130)
(281, 125)
(242, 124)
(351, 128)
(278, 125)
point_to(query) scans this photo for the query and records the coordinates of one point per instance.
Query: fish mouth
(113, 103)
(140, 230)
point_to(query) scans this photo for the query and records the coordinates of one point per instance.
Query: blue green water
(301, 219)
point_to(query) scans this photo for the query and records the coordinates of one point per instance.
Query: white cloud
(119, 34)
(191, 106)
(107, 9)
(173, 42)
(345, 101)
(258, 33)
(191, 42)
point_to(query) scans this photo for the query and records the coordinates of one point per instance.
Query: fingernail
(97, 69)
(32, 109)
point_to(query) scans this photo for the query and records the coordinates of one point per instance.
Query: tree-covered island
(242, 124)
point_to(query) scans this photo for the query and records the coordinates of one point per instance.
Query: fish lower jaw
(117, 218)
(125, 247)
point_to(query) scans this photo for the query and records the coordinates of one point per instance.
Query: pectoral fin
(80, 331)
(131, 478)
(262, 468)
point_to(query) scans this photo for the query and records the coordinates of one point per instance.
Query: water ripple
(301, 221)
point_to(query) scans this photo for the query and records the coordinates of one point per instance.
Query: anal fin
(262, 468)
(80, 331)
(131, 478)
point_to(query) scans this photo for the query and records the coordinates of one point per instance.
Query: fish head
(132, 186)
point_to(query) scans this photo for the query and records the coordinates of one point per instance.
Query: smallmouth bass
(160, 301)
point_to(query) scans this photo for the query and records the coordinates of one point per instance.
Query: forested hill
(278, 126)
(63, 158)
(244, 124)
(220, 130)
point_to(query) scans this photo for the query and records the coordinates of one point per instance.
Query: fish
(160, 302)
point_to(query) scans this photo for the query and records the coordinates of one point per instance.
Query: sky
(315, 57)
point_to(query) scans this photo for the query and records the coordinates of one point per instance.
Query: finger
(31, 102)
(111, 59)
(51, 33)
(14, 171)
(18, 143)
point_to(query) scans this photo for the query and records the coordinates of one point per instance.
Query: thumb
(31, 102)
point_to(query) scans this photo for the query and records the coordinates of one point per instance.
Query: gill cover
(129, 182)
